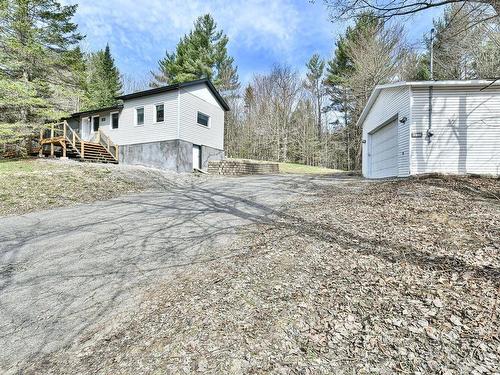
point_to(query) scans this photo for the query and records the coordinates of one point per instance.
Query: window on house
(139, 115)
(114, 120)
(203, 119)
(160, 113)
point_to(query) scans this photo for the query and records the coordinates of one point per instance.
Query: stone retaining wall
(241, 167)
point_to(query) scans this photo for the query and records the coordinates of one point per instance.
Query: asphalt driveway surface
(63, 271)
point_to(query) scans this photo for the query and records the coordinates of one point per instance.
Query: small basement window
(203, 119)
(139, 116)
(114, 120)
(160, 113)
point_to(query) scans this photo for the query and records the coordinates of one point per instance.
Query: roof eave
(376, 91)
(98, 110)
(177, 86)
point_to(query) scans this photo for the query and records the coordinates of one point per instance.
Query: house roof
(92, 111)
(451, 83)
(177, 86)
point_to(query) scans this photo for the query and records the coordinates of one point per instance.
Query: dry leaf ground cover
(387, 277)
(34, 184)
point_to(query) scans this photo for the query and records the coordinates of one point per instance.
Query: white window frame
(156, 113)
(209, 120)
(111, 120)
(143, 115)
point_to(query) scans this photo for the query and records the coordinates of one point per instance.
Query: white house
(177, 127)
(420, 127)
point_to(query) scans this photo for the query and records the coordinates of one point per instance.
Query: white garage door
(384, 151)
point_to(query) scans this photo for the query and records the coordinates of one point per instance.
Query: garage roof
(456, 83)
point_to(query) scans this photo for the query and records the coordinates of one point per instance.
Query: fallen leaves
(396, 276)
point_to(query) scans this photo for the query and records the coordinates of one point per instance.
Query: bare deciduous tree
(389, 9)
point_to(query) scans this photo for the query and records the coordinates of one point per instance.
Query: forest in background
(280, 115)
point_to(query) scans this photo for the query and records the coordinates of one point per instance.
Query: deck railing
(61, 133)
(107, 143)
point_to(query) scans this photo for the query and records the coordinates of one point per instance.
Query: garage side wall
(390, 102)
(466, 127)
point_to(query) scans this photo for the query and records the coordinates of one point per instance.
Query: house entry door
(85, 130)
(95, 123)
(196, 157)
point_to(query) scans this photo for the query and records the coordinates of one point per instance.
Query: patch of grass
(305, 169)
(30, 185)
(10, 166)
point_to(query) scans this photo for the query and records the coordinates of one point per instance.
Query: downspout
(429, 127)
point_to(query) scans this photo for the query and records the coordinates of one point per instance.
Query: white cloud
(281, 30)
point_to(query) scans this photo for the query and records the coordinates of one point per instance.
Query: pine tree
(465, 47)
(315, 85)
(342, 66)
(39, 63)
(103, 83)
(200, 54)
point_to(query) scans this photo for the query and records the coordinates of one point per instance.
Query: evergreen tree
(315, 85)
(200, 54)
(342, 66)
(103, 80)
(39, 65)
(370, 53)
(465, 46)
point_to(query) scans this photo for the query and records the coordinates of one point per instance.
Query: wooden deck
(61, 140)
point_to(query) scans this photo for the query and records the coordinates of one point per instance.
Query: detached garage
(419, 127)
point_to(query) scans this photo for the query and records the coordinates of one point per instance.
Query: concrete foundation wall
(175, 155)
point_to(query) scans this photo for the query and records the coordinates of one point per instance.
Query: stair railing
(61, 133)
(103, 139)
(73, 138)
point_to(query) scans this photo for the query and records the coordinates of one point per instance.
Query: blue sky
(261, 33)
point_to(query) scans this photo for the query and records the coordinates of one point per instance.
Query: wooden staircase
(63, 141)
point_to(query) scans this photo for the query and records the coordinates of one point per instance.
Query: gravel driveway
(63, 271)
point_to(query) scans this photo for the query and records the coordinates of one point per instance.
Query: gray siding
(466, 126)
(390, 102)
(191, 131)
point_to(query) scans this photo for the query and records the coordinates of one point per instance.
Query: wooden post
(107, 143)
(82, 150)
(64, 140)
(51, 141)
(40, 152)
(74, 139)
(116, 152)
